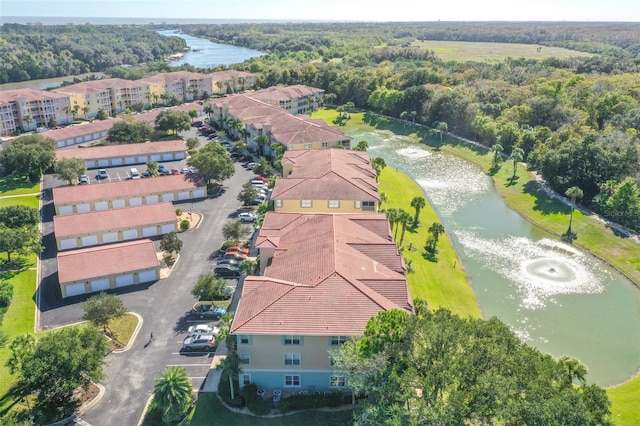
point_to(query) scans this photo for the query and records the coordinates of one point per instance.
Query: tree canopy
(102, 308)
(19, 216)
(70, 169)
(129, 132)
(213, 161)
(176, 121)
(29, 155)
(438, 368)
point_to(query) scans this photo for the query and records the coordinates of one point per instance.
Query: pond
(552, 295)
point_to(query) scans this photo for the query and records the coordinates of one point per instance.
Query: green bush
(178, 212)
(184, 225)
(260, 407)
(153, 416)
(310, 402)
(6, 293)
(227, 244)
(250, 392)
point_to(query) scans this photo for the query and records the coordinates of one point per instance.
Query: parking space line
(187, 365)
(191, 353)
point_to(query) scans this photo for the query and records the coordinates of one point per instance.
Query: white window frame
(246, 379)
(357, 204)
(334, 204)
(338, 381)
(367, 207)
(306, 204)
(307, 146)
(244, 339)
(293, 340)
(292, 378)
(292, 360)
(278, 203)
(339, 340)
(245, 358)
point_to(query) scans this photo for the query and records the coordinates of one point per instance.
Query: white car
(84, 180)
(247, 217)
(203, 329)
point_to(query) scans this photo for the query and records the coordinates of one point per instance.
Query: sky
(333, 10)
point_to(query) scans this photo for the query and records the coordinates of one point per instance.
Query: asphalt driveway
(131, 375)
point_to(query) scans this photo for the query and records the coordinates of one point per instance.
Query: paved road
(131, 375)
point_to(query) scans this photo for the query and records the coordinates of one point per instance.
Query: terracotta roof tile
(110, 220)
(121, 150)
(94, 262)
(97, 126)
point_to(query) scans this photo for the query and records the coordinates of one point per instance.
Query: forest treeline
(29, 52)
(576, 118)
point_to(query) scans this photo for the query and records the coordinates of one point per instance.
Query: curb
(144, 410)
(94, 401)
(133, 336)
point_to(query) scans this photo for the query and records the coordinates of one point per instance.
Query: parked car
(203, 329)
(175, 171)
(84, 180)
(204, 342)
(264, 180)
(236, 255)
(209, 311)
(232, 262)
(145, 174)
(184, 170)
(163, 170)
(250, 165)
(259, 200)
(102, 174)
(240, 249)
(247, 217)
(134, 174)
(230, 271)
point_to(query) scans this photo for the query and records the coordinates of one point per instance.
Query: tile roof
(285, 93)
(244, 107)
(121, 150)
(327, 174)
(111, 220)
(150, 116)
(30, 95)
(68, 195)
(99, 86)
(94, 262)
(291, 129)
(322, 279)
(96, 126)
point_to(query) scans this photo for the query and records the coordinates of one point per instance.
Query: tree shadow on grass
(512, 181)
(544, 203)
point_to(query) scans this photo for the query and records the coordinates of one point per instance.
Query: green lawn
(624, 402)
(17, 185)
(443, 283)
(29, 200)
(209, 407)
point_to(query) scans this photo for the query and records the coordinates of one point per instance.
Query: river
(552, 295)
(206, 54)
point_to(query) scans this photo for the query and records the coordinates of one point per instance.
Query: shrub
(184, 224)
(6, 293)
(178, 212)
(227, 244)
(260, 407)
(250, 392)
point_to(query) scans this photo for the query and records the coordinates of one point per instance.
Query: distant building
(28, 109)
(296, 99)
(126, 154)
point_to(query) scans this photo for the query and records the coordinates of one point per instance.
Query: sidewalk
(213, 377)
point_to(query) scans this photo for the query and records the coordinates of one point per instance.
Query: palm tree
(383, 197)
(230, 366)
(378, 164)
(173, 394)
(417, 203)
(517, 155)
(75, 110)
(67, 110)
(496, 149)
(574, 193)
(208, 110)
(405, 219)
(413, 116)
(121, 104)
(393, 215)
(572, 370)
(436, 230)
(28, 118)
(261, 140)
(85, 111)
(442, 127)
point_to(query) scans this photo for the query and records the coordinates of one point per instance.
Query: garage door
(152, 199)
(156, 157)
(165, 229)
(118, 204)
(116, 162)
(167, 197)
(74, 289)
(184, 195)
(143, 158)
(91, 164)
(136, 201)
(198, 193)
(79, 139)
(89, 240)
(110, 237)
(100, 285)
(167, 157)
(129, 160)
(102, 205)
(83, 208)
(69, 243)
(179, 155)
(103, 163)
(149, 231)
(87, 138)
(147, 276)
(66, 210)
(61, 144)
(130, 234)
(124, 280)
(96, 135)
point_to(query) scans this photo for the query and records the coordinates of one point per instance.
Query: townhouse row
(327, 265)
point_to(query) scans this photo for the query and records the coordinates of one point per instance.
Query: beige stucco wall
(319, 206)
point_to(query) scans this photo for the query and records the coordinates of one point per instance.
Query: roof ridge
(376, 297)
(264, 307)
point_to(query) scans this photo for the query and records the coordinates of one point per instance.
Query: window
(278, 203)
(246, 379)
(334, 204)
(369, 205)
(292, 340)
(243, 339)
(245, 358)
(306, 203)
(292, 381)
(307, 146)
(325, 144)
(338, 340)
(357, 204)
(291, 359)
(338, 381)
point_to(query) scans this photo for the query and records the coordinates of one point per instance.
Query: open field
(486, 52)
